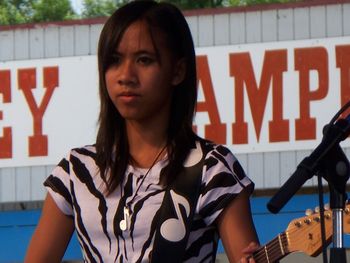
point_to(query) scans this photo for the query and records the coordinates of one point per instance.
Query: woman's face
(139, 82)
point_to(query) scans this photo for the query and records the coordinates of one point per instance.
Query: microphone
(333, 135)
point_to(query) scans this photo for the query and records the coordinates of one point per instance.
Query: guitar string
(271, 247)
(274, 251)
(270, 257)
(274, 246)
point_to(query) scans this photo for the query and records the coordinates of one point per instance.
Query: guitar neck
(276, 249)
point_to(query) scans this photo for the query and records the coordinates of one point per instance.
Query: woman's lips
(128, 96)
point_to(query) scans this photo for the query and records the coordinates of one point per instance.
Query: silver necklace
(125, 222)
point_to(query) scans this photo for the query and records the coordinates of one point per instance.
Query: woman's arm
(236, 228)
(52, 235)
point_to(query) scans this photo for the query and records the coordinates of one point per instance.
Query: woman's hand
(248, 251)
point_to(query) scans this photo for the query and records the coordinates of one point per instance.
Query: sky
(77, 5)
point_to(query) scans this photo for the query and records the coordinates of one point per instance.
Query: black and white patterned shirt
(78, 190)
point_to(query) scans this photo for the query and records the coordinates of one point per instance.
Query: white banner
(69, 119)
(256, 97)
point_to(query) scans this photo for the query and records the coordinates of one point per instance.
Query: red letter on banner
(343, 62)
(275, 63)
(38, 143)
(6, 139)
(307, 59)
(215, 131)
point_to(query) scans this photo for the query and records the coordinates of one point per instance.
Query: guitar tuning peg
(317, 209)
(308, 212)
(326, 207)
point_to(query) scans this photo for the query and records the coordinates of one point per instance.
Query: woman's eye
(114, 60)
(145, 60)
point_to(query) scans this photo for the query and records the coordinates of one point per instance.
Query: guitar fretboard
(276, 249)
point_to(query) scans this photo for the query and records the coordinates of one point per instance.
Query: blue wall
(16, 227)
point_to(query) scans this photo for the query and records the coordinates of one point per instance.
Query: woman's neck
(145, 143)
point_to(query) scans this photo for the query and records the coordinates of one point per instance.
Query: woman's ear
(179, 71)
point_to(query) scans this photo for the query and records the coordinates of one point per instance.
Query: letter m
(241, 68)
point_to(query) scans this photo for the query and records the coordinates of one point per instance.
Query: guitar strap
(177, 211)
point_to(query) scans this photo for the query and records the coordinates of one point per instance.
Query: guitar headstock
(304, 233)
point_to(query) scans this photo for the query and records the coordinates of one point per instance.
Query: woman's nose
(127, 74)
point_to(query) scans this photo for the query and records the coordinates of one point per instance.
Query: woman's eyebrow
(138, 52)
(145, 51)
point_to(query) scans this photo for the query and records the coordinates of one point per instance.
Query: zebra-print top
(77, 188)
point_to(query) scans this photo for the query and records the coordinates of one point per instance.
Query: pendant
(124, 224)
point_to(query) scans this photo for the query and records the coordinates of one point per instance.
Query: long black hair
(111, 143)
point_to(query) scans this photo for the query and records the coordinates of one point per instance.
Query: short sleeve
(58, 184)
(222, 180)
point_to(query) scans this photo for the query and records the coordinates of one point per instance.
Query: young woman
(130, 197)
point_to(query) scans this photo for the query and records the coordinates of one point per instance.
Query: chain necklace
(125, 222)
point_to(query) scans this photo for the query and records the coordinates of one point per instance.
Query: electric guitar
(302, 234)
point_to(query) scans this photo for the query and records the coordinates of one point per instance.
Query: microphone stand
(335, 169)
(329, 161)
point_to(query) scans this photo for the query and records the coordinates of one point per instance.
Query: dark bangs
(115, 27)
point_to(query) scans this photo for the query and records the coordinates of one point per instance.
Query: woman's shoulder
(89, 150)
(83, 153)
(84, 156)
(222, 165)
(215, 150)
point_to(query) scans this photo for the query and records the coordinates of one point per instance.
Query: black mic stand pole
(335, 169)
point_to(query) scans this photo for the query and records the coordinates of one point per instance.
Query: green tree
(99, 8)
(29, 11)
(15, 11)
(256, 2)
(188, 4)
(52, 10)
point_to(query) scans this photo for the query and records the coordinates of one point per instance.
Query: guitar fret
(281, 245)
(267, 255)
(285, 243)
(274, 250)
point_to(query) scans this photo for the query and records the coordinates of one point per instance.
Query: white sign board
(255, 97)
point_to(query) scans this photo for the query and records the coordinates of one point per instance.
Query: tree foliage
(98, 8)
(95, 8)
(52, 10)
(15, 11)
(186, 4)
(257, 2)
(29, 11)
